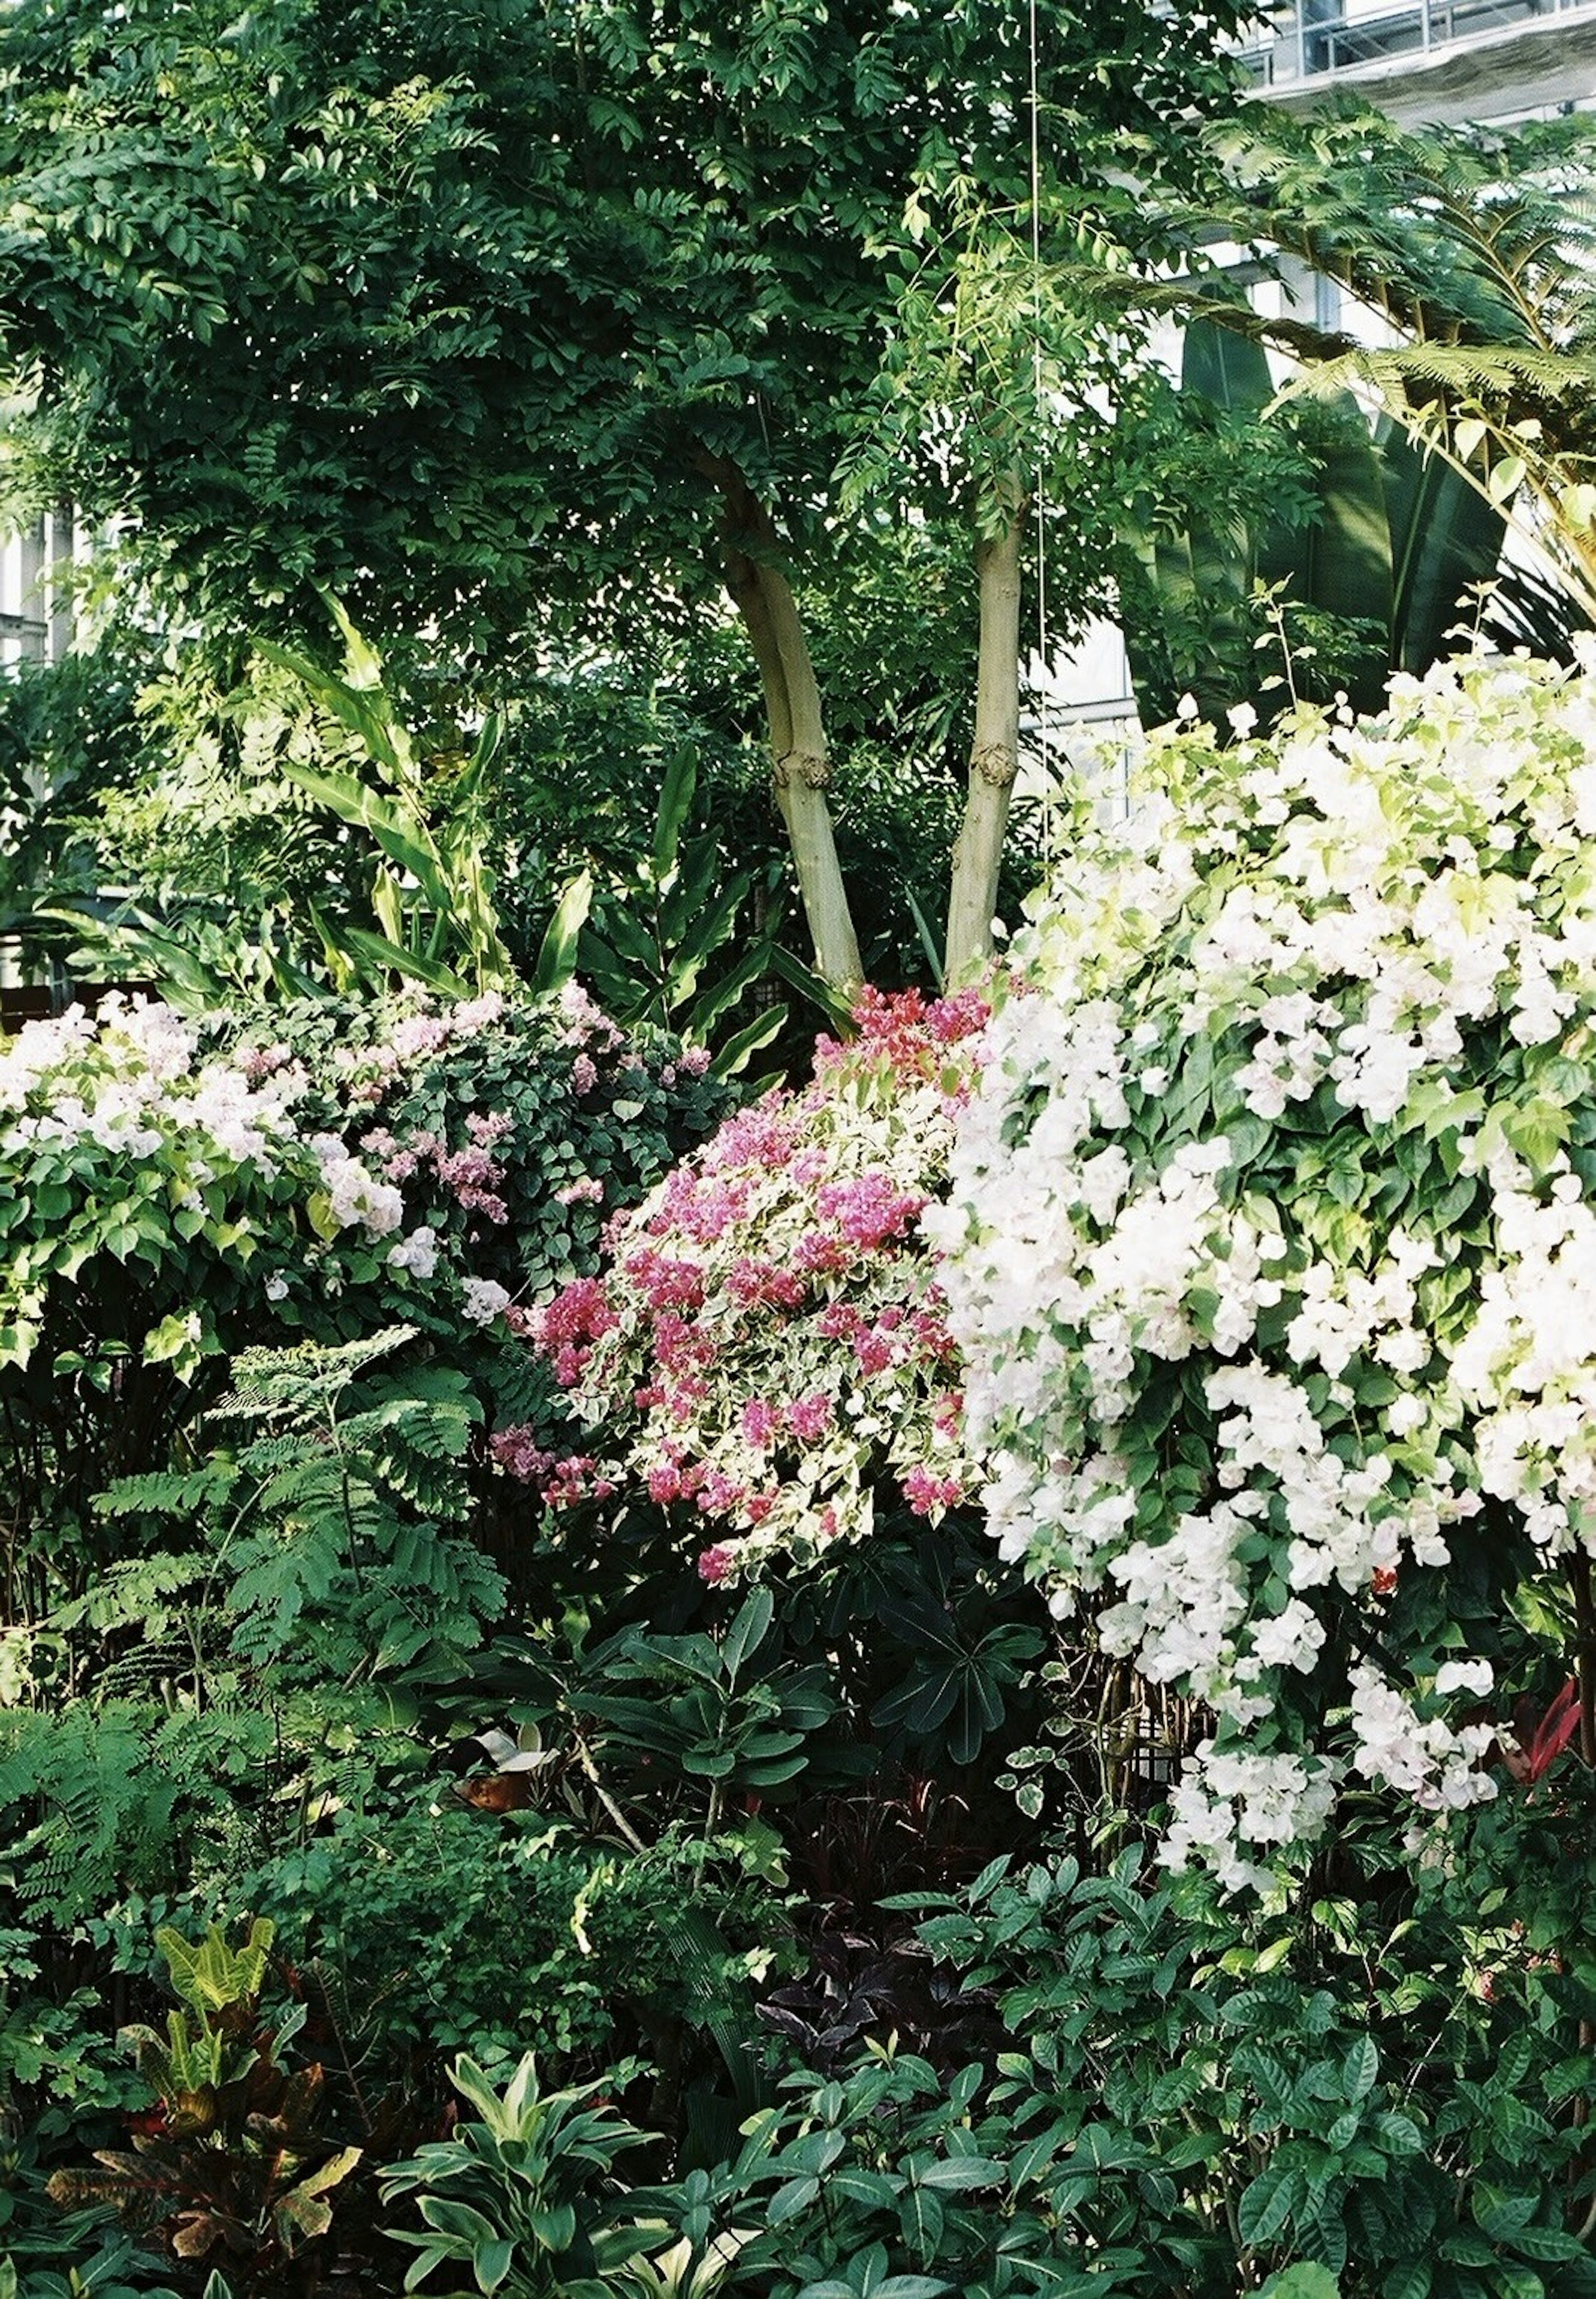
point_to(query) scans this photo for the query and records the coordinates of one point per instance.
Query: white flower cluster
(123, 1108)
(128, 1081)
(1272, 1240)
(354, 1193)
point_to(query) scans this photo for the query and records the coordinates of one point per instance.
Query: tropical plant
(716, 1716)
(418, 860)
(234, 2158)
(679, 941)
(524, 2194)
(428, 1925)
(321, 1547)
(1381, 556)
(1473, 247)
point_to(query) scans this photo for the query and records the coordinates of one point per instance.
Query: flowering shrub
(1272, 1240)
(767, 1343)
(171, 1194)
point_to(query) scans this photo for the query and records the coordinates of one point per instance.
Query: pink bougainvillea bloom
(810, 1417)
(516, 1452)
(664, 1282)
(870, 1209)
(924, 1490)
(568, 1480)
(582, 1312)
(761, 1284)
(717, 1565)
(819, 1254)
(840, 1321)
(761, 1422)
(664, 1483)
(720, 1495)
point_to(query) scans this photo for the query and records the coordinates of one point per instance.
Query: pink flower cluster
(472, 1175)
(573, 1321)
(912, 1033)
(563, 1479)
(870, 1212)
(926, 1492)
(769, 1347)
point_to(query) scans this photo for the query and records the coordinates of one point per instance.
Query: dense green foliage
(1357, 563)
(458, 308)
(498, 1611)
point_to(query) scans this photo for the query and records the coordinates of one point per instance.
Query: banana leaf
(1444, 536)
(557, 956)
(1341, 563)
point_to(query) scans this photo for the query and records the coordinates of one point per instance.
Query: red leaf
(1553, 1734)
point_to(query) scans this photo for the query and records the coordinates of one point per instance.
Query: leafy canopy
(446, 311)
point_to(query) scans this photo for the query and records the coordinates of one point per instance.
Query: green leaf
(387, 956)
(1359, 2069)
(1268, 2203)
(491, 2264)
(746, 1042)
(1444, 535)
(958, 2174)
(676, 805)
(557, 954)
(748, 1631)
(1409, 2282)
(1305, 2280)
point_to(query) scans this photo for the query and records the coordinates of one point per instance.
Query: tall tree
(526, 314)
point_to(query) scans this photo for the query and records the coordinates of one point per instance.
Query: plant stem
(995, 748)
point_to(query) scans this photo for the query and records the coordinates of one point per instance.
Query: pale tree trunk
(800, 762)
(995, 753)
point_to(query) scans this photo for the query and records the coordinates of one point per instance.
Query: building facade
(1428, 62)
(36, 597)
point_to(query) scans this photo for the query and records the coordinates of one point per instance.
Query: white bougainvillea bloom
(1271, 1245)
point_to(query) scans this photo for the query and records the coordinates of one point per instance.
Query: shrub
(234, 2158)
(1380, 2092)
(765, 1351)
(170, 1195)
(426, 1929)
(1272, 1244)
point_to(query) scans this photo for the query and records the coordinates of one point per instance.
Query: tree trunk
(800, 763)
(995, 753)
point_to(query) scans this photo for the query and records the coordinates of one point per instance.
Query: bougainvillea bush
(1272, 1245)
(765, 1352)
(172, 1193)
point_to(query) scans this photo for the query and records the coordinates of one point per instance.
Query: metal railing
(1314, 38)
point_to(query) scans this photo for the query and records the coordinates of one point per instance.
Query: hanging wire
(1040, 498)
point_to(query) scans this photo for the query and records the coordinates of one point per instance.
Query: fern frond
(180, 1493)
(136, 1592)
(271, 1383)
